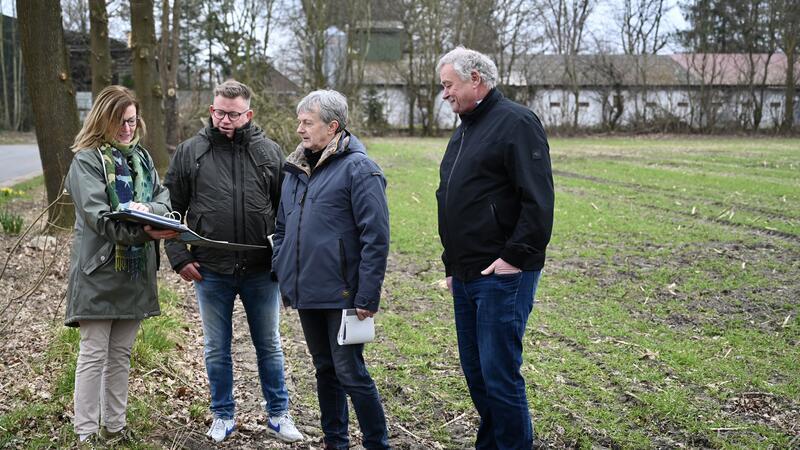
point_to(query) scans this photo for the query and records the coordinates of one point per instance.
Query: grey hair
(232, 89)
(465, 60)
(331, 105)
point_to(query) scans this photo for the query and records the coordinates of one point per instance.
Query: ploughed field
(667, 314)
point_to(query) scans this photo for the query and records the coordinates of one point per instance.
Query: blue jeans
(216, 294)
(491, 313)
(340, 370)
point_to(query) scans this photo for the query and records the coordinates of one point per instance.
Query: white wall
(556, 106)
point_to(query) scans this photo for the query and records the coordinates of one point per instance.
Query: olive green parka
(96, 290)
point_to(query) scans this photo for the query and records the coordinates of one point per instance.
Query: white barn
(689, 90)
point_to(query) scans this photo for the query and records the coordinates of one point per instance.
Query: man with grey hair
(331, 245)
(226, 182)
(495, 201)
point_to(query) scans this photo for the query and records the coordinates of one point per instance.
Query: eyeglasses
(232, 115)
(131, 122)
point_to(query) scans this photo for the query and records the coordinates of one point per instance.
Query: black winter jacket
(332, 238)
(231, 190)
(495, 193)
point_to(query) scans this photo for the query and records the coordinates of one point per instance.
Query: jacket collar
(485, 105)
(240, 135)
(338, 145)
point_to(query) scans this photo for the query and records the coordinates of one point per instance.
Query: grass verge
(667, 315)
(43, 419)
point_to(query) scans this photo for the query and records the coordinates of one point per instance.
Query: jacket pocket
(193, 223)
(267, 230)
(343, 263)
(496, 218)
(100, 258)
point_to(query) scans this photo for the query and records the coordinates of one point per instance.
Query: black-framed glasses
(131, 122)
(232, 115)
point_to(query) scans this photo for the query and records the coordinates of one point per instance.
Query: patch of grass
(670, 290)
(11, 222)
(44, 422)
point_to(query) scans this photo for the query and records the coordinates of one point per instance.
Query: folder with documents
(187, 236)
(354, 331)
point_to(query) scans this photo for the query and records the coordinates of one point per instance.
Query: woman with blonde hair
(112, 277)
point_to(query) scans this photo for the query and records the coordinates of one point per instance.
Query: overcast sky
(599, 20)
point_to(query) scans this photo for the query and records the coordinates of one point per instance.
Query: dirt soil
(31, 313)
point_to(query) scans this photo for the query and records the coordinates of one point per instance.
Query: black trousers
(340, 371)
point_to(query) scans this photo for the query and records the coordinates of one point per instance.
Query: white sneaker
(282, 427)
(221, 428)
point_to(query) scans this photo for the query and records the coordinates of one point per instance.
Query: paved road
(18, 163)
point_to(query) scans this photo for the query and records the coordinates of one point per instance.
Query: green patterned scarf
(128, 178)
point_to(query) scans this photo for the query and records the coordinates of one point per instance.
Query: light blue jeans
(216, 294)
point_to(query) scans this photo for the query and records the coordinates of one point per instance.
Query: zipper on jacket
(235, 206)
(297, 246)
(194, 179)
(269, 201)
(243, 178)
(450, 176)
(453, 169)
(343, 264)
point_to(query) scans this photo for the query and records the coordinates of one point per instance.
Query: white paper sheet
(354, 331)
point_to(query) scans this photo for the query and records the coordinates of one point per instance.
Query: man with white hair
(495, 202)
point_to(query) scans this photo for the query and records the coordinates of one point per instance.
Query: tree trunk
(788, 116)
(100, 56)
(52, 97)
(170, 48)
(17, 95)
(412, 90)
(6, 119)
(146, 81)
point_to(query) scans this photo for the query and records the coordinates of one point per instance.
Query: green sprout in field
(11, 222)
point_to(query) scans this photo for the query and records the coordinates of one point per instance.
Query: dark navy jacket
(495, 194)
(332, 237)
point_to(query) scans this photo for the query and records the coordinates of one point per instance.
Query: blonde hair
(105, 118)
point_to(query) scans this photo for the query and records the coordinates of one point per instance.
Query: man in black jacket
(495, 202)
(226, 181)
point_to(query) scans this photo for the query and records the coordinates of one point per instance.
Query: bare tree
(312, 36)
(565, 29)
(169, 53)
(146, 80)
(641, 27)
(757, 22)
(100, 55)
(233, 27)
(788, 12)
(423, 21)
(75, 14)
(705, 71)
(6, 118)
(470, 31)
(11, 75)
(358, 28)
(607, 73)
(52, 96)
(513, 19)
(642, 32)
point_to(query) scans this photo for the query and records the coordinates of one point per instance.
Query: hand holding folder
(186, 235)
(354, 331)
